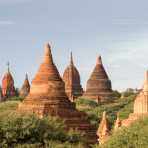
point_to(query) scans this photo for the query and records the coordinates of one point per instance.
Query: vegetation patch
(27, 130)
(95, 110)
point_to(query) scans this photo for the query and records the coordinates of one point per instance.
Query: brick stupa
(8, 88)
(47, 97)
(71, 78)
(99, 86)
(25, 88)
(140, 105)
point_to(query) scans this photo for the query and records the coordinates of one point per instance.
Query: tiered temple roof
(47, 97)
(25, 88)
(99, 86)
(71, 78)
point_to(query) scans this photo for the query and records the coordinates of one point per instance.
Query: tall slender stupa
(99, 86)
(25, 88)
(8, 89)
(71, 78)
(47, 97)
(103, 132)
(140, 105)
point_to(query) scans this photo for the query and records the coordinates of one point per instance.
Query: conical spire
(145, 88)
(71, 78)
(8, 89)
(71, 59)
(48, 55)
(25, 88)
(99, 60)
(26, 80)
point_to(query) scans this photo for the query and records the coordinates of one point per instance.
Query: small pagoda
(103, 132)
(71, 78)
(8, 88)
(99, 86)
(47, 97)
(25, 88)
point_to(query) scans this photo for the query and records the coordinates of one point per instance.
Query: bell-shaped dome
(99, 86)
(8, 89)
(72, 81)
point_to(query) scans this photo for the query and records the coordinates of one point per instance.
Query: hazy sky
(116, 29)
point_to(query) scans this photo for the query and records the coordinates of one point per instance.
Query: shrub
(29, 131)
(116, 94)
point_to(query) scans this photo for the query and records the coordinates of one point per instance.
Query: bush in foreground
(27, 130)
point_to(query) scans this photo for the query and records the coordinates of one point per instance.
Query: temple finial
(26, 76)
(8, 67)
(71, 59)
(48, 55)
(99, 60)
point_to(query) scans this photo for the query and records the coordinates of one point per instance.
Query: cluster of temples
(99, 87)
(8, 90)
(51, 94)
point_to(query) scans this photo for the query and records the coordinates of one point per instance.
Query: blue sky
(115, 29)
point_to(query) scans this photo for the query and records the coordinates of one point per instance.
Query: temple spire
(26, 76)
(48, 55)
(25, 88)
(99, 60)
(71, 59)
